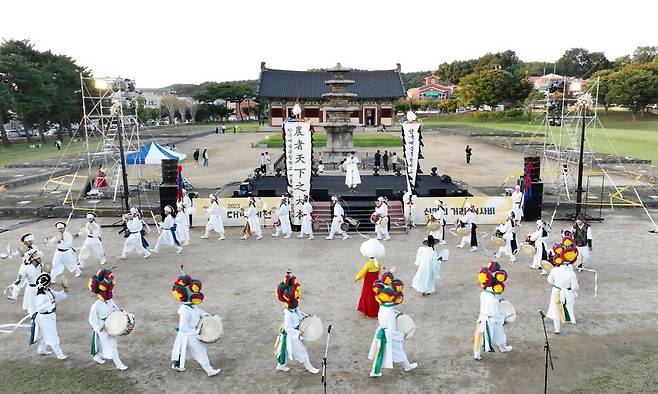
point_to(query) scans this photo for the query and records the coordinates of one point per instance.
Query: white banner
(298, 143)
(490, 210)
(411, 138)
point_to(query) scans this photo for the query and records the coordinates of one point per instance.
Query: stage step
(361, 211)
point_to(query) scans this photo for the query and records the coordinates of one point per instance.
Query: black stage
(371, 187)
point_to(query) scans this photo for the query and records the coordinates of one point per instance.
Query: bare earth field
(239, 279)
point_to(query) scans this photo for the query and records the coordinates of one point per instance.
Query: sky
(159, 43)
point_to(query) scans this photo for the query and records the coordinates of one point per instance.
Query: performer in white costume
(103, 345)
(65, 254)
(489, 329)
(388, 343)
(517, 205)
(92, 247)
(289, 343)
(539, 237)
(168, 233)
(429, 264)
(44, 318)
(283, 213)
(565, 284)
(215, 218)
(253, 221)
(190, 209)
(352, 176)
(338, 218)
(440, 216)
(14, 289)
(188, 291)
(30, 271)
(509, 235)
(307, 220)
(382, 225)
(135, 240)
(182, 225)
(468, 220)
(409, 201)
(582, 235)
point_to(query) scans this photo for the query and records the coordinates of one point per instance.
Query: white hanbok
(187, 339)
(45, 321)
(439, 216)
(182, 227)
(336, 222)
(254, 221)
(307, 222)
(352, 176)
(583, 248)
(429, 269)
(563, 295)
(214, 220)
(468, 219)
(30, 273)
(393, 349)
(381, 228)
(64, 257)
(134, 240)
(509, 248)
(167, 235)
(103, 344)
(289, 345)
(517, 205)
(489, 328)
(283, 213)
(409, 201)
(538, 237)
(92, 246)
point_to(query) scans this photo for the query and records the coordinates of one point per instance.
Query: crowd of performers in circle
(381, 295)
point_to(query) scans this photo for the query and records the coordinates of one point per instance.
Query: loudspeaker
(267, 193)
(168, 196)
(320, 194)
(532, 205)
(169, 170)
(445, 178)
(536, 167)
(440, 192)
(388, 193)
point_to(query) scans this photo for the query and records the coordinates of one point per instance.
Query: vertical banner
(412, 140)
(298, 146)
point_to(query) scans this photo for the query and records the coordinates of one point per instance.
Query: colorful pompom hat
(388, 289)
(187, 290)
(102, 284)
(289, 291)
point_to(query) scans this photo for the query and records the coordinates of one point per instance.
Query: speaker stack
(168, 188)
(532, 205)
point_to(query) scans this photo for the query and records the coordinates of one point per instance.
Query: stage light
(375, 171)
(434, 169)
(101, 84)
(398, 172)
(277, 171)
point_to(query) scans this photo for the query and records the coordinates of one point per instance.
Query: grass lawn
(638, 139)
(361, 140)
(52, 377)
(243, 127)
(21, 152)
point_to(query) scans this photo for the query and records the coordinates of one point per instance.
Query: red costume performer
(372, 249)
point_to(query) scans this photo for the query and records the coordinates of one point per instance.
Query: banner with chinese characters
(298, 146)
(490, 210)
(412, 140)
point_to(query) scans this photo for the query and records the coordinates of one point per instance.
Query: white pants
(498, 336)
(91, 248)
(64, 259)
(183, 233)
(106, 347)
(134, 242)
(167, 238)
(410, 213)
(47, 335)
(215, 224)
(307, 227)
(583, 255)
(335, 227)
(188, 343)
(382, 231)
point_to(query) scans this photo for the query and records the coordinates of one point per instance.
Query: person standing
(29, 272)
(283, 213)
(582, 234)
(252, 227)
(352, 177)
(168, 234)
(268, 164)
(223, 127)
(507, 230)
(517, 205)
(338, 215)
(307, 220)
(409, 201)
(44, 318)
(429, 266)
(467, 220)
(27, 241)
(173, 148)
(564, 285)
(189, 206)
(440, 217)
(215, 218)
(372, 250)
(539, 237)
(64, 255)
(196, 158)
(489, 329)
(182, 225)
(378, 159)
(92, 246)
(103, 345)
(381, 227)
(394, 161)
(385, 161)
(135, 240)
(205, 157)
(469, 152)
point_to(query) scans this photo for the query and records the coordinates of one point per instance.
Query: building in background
(433, 88)
(376, 93)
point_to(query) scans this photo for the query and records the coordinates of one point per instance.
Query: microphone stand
(324, 361)
(547, 352)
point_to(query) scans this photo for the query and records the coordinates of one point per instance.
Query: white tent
(153, 153)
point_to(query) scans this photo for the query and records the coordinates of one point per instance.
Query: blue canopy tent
(153, 153)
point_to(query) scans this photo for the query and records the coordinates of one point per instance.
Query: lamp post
(583, 103)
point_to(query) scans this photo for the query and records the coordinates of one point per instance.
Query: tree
(170, 103)
(537, 69)
(580, 63)
(192, 107)
(181, 106)
(602, 77)
(448, 105)
(5, 102)
(529, 103)
(491, 87)
(645, 54)
(620, 62)
(404, 105)
(634, 87)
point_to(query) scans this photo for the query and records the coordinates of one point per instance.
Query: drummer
(382, 224)
(467, 220)
(188, 292)
(539, 238)
(307, 220)
(388, 343)
(517, 205)
(92, 246)
(44, 319)
(440, 217)
(564, 284)
(489, 329)
(509, 235)
(168, 234)
(103, 345)
(64, 255)
(135, 240)
(338, 214)
(30, 271)
(27, 241)
(289, 341)
(283, 214)
(582, 234)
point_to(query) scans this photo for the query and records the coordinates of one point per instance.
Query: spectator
(223, 129)
(385, 160)
(263, 163)
(394, 161)
(384, 129)
(378, 159)
(196, 158)
(205, 157)
(173, 148)
(320, 167)
(235, 128)
(469, 152)
(216, 130)
(268, 163)
(58, 144)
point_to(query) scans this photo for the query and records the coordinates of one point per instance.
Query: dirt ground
(240, 277)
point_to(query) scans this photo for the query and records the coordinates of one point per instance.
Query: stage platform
(371, 187)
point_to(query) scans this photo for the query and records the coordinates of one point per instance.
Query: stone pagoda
(338, 126)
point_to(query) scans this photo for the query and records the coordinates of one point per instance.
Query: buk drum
(374, 218)
(311, 328)
(497, 241)
(507, 309)
(119, 323)
(432, 224)
(406, 325)
(344, 226)
(546, 266)
(463, 231)
(528, 249)
(211, 329)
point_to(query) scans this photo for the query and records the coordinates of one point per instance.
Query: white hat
(212, 197)
(60, 225)
(27, 237)
(168, 208)
(438, 202)
(134, 211)
(540, 222)
(284, 197)
(91, 215)
(468, 205)
(372, 248)
(411, 116)
(183, 190)
(334, 198)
